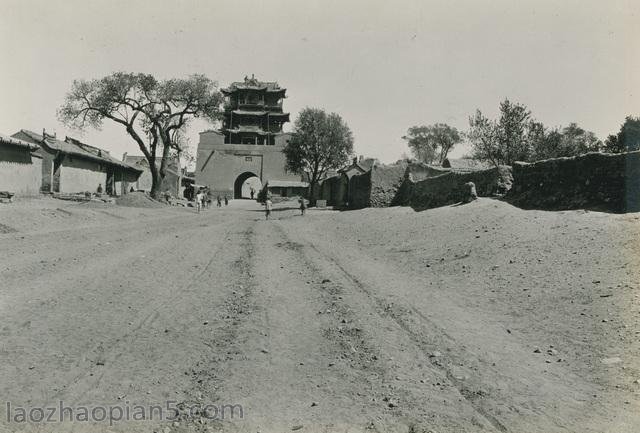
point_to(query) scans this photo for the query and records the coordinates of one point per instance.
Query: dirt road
(472, 318)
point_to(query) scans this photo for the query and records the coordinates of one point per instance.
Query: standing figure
(267, 207)
(226, 200)
(219, 201)
(199, 200)
(303, 206)
(209, 197)
(253, 193)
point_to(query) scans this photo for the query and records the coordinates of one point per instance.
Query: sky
(382, 65)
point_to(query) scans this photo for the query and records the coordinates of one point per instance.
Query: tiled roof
(366, 163)
(330, 173)
(140, 161)
(363, 166)
(258, 113)
(253, 84)
(5, 139)
(249, 113)
(287, 183)
(71, 146)
(100, 153)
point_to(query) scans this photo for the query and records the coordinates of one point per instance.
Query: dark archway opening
(244, 183)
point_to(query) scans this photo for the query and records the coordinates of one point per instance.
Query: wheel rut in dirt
(366, 353)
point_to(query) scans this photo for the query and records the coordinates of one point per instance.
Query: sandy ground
(481, 317)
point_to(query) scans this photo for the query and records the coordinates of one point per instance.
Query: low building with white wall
(20, 167)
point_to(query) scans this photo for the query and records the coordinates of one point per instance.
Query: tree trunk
(313, 190)
(156, 181)
(161, 172)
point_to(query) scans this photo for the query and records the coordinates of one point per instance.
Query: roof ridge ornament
(253, 81)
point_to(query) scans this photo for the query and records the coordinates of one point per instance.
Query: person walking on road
(252, 192)
(199, 200)
(219, 201)
(267, 207)
(303, 206)
(226, 200)
(208, 198)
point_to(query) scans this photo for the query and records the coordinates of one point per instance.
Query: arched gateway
(243, 184)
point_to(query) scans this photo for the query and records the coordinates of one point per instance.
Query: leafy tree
(506, 140)
(627, 139)
(516, 136)
(548, 145)
(483, 136)
(319, 142)
(515, 129)
(431, 144)
(148, 109)
(568, 141)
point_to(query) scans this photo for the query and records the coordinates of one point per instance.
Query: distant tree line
(516, 136)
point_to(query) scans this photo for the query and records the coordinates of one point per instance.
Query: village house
(20, 167)
(287, 188)
(71, 166)
(173, 179)
(335, 187)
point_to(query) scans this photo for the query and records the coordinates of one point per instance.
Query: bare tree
(145, 107)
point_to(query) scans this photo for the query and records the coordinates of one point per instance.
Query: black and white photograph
(320, 216)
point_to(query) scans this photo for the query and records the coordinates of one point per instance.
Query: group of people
(204, 198)
(268, 206)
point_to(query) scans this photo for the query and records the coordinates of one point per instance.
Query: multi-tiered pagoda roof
(253, 112)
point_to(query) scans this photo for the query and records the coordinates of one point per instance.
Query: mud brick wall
(386, 181)
(359, 195)
(79, 175)
(421, 171)
(20, 171)
(592, 181)
(378, 187)
(447, 188)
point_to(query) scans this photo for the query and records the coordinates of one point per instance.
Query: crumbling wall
(608, 182)
(386, 181)
(448, 188)
(421, 185)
